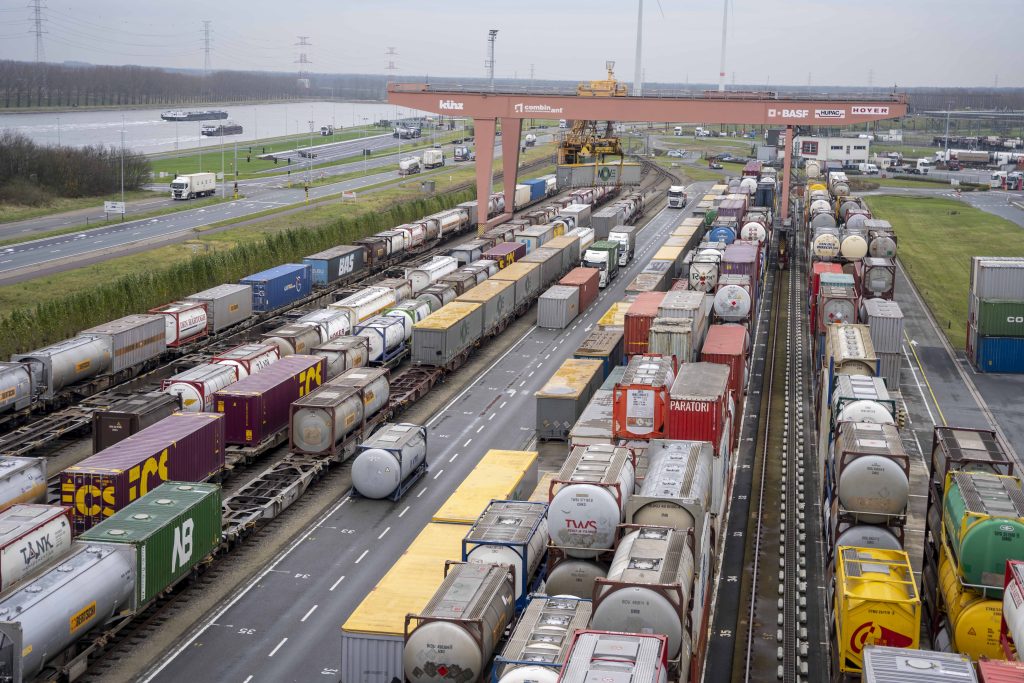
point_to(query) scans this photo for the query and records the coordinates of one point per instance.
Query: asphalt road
(285, 624)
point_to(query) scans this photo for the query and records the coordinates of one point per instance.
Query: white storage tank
(182, 320)
(1013, 601)
(677, 489)
(732, 300)
(197, 386)
(883, 664)
(329, 323)
(428, 273)
(614, 657)
(853, 246)
(574, 577)
(704, 272)
(248, 359)
(753, 232)
(872, 471)
(366, 303)
(22, 480)
(865, 411)
(510, 533)
(413, 309)
(322, 419)
(437, 296)
(881, 244)
(344, 353)
(812, 167)
(869, 536)
(66, 362)
(596, 483)
(826, 244)
(460, 626)
(389, 460)
(30, 537)
(293, 338)
(542, 637)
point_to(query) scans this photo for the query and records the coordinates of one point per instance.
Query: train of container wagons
(975, 511)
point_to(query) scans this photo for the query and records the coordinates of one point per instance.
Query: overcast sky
(886, 42)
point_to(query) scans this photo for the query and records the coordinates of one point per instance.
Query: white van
(678, 130)
(868, 169)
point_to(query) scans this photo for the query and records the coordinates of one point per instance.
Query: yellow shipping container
(615, 316)
(500, 475)
(719, 189)
(516, 271)
(876, 603)
(572, 379)
(447, 316)
(406, 588)
(673, 254)
(710, 198)
(562, 242)
(540, 494)
(557, 228)
(673, 241)
(690, 222)
(974, 620)
(485, 291)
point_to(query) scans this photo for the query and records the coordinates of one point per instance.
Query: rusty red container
(586, 280)
(182, 447)
(680, 285)
(257, 407)
(506, 253)
(699, 403)
(729, 345)
(995, 671)
(639, 319)
(817, 269)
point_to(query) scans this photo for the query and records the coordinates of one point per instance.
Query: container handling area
(615, 420)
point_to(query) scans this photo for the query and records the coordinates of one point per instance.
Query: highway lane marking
(311, 610)
(384, 533)
(504, 402)
(365, 552)
(545, 358)
(925, 376)
(422, 491)
(522, 383)
(468, 441)
(488, 419)
(335, 584)
(920, 389)
(481, 427)
(439, 473)
(248, 678)
(274, 651)
(451, 459)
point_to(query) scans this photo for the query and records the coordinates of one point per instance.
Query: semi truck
(409, 166)
(604, 256)
(463, 153)
(530, 140)
(625, 235)
(433, 158)
(192, 185)
(677, 197)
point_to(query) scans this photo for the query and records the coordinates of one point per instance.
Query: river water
(145, 131)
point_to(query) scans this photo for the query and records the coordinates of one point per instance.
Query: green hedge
(30, 328)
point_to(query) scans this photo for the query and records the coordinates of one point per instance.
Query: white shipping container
(182, 320)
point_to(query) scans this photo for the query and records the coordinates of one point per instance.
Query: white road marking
(479, 429)
(468, 441)
(274, 651)
(311, 610)
(488, 419)
(335, 584)
(502, 405)
(439, 473)
(249, 678)
(402, 513)
(384, 533)
(452, 459)
(365, 553)
(424, 490)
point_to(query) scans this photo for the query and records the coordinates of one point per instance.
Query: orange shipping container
(639, 319)
(640, 399)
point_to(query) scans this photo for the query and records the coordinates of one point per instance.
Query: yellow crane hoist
(605, 88)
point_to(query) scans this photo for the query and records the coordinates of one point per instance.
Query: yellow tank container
(876, 603)
(974, 620)
(500, 475)
(816, 186)
(615, 316)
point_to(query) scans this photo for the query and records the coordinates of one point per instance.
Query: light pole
(223, 175)
(58, 131)
(945, 157)
(122, 167)
(200, 148)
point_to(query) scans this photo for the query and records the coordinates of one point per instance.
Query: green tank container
(983, 525)
(173, 528)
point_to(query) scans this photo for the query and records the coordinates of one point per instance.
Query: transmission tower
(207, 41)
(390, 55)
(37, 7)
(492, 35)
(303, 60)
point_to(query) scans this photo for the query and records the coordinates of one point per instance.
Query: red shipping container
(640, 398)
(506, 253)
(993, 671)
(586, 280)
(182, 447)
(817, 269)
(680, 285)
(257, 407)
(639, 319)
(729, 345)
(699, 403)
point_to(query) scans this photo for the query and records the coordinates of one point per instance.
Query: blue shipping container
(1000, 354)
(537, 188)
(279, 286)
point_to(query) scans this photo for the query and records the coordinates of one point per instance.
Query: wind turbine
(721, 64)
(638, 86)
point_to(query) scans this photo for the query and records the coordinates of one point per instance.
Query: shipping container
(588, 660)
(586, 280)
(579, 213)
(321, 420)
(248, 359)
(540, 641)
(605, 219)
(335, 263)
(974, 620)
(173, 528)
(877, 277)
(615, 317)
(729, 345)
(605, 346)
(500, 475)
(373, 637)
(642, 397)
(550, 263)
(183, 447)
(279, 286)
(366, 303)
(196, 386)
(129, 415)
(885, 321)
(511, 533)
(993, 671)
(437, 295)
(875, 591)
(386, 336)
(444, 336)
(562, 399)
(131, 340)
(506, 253)
(226, 305)
(527, 277)
(558, 307)
(638, 321)
(997, 278)
(699, 404)
(569, 246)
(22, 480)
(997, 318)
(884, 664)
(31, 536)
(184, 321)
(673, 338)
(461, 281)
(470, 251)
(256, 408)
(996, 354)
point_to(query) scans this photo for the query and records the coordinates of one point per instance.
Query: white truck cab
(677, 197)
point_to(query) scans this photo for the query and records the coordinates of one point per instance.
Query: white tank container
(344, 353)
(869, 536)
(430, 272)
(704, 273)
(329, 323)
(819, 206)
(825, 245)
(197, 386)
(677, 489)
(640, 560)
(324, 418)
(491, 267)
(293, 338)
(585, 510)
(388, 458)
(748, 185)
(865, 411)
(823, 220)
(366, 303)
(753, 232)
(574, 577)
(732, 303)
(1013, 601)
(30, 537)
(853, 246)
(879, 278)
(22, 480)
(476, 603)
(812, 168)
(248, 359)
(182, 320)
(839, 311)
(882, 245)
(542, 635)
(415, 234)
(510, 533)
(871, 471)
(385, 334)
(413, 309)
(857, 220)
(66, 362)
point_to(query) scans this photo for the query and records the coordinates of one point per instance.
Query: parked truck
(677, 197)
(409, 166)
(604, 256)
(530, 140)
(433, 158)
(625, 235)
(192, 185)
(463, 153)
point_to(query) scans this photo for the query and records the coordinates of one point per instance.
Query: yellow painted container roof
(497, 476)
(719, 189)
(675, 241)
(668, 254)
(485, 291)
(709, 197)
(570, 380)
(447, 316)
(516, 271)
(562, 242)
(692, 221)
(410, 583)
(616, 314)
(686, 230)
(540, 494)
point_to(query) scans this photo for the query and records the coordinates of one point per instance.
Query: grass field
(18, 212)
(937, 238)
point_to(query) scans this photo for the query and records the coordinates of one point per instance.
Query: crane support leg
(510, 141)
(483, 130)
(787, 169)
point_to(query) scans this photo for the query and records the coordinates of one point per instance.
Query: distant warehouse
(833, 152)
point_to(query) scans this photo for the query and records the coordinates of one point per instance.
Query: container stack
(995, 314)
(974, 524)
(885, 322)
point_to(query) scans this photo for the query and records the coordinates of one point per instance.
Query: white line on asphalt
(488, 419)
(424, 490)
(384, 533)
(522, 383)
(249, 678)
(311, 610)
(439, 473)
(468, 441)
(274, 651)
(452, 459)
(480, 428)
(335, 584)
(504, 402)
(361, 557)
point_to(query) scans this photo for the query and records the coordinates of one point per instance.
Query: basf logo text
(789, 113)
(450, 105)
(830, 113)
(870, 111)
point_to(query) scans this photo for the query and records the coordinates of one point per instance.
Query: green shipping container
(173, 528)
(1000, 318)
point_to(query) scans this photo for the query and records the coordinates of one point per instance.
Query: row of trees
(67, 171)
